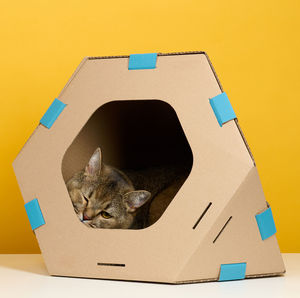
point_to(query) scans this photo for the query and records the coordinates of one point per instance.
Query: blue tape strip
(233, 271)
(52, 113)
(222, 108)
(34, 214)
(266, 224)
(142, 61)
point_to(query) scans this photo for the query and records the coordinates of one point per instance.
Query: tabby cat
(106, 197)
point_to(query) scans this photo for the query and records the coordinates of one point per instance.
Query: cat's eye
(105, 214)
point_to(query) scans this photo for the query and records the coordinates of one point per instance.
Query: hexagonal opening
(141, 138)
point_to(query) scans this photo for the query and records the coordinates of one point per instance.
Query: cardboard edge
(180, 282)
(73, 75)
(119, 280)
(246, 277)
(15, 161)
(158, 54)
(244, 139)
(236, 119)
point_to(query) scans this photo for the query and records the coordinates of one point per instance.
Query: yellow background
(254, 47)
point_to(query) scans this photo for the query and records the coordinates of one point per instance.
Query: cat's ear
(93, 168)
(136, 199)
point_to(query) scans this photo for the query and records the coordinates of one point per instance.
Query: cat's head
(104, 197)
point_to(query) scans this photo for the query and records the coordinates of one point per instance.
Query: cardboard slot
(135, 135)
(111, 264)
(226, 223)
(202, 215)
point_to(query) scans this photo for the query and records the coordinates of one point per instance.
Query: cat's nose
(85, 217)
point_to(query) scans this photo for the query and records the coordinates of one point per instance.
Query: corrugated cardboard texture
(171, 250)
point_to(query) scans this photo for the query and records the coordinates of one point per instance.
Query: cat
(106, 197)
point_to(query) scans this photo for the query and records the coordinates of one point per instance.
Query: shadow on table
(29, 263)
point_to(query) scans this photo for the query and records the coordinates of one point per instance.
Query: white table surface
(26, 276)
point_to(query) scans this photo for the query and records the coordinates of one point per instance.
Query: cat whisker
(87, 222)
(80, 215)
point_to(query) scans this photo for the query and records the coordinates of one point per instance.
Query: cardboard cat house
(148, 108)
